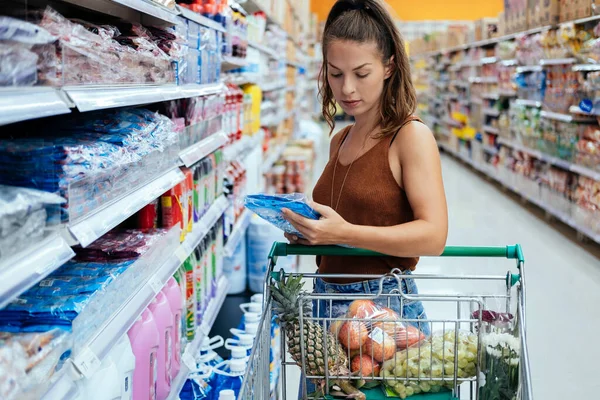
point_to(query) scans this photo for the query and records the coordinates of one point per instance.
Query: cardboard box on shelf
(566, 10)
(585, 8)
(501, 24)
(486, 28)
(547, 12)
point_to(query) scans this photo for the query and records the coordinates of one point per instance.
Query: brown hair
(365, 21)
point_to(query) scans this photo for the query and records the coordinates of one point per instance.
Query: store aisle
(563, 281)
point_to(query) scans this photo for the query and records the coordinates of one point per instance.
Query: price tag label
(182, 252)
(156, 285)
(87, 363)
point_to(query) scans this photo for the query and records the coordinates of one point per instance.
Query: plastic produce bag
(269, 208)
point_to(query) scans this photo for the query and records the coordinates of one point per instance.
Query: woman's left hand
(330, 229)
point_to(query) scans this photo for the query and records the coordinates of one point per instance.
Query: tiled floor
(563, 282)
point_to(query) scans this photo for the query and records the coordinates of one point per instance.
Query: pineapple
(286, 307)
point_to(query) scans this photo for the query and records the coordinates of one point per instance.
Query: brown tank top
(371, 197)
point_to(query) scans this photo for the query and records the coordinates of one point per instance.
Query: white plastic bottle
(227, 394)
(242, 340)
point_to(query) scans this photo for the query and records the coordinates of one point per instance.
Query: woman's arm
(422, 180)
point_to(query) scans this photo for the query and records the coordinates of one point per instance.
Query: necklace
(347, 171)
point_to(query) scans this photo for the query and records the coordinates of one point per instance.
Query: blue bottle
(230, 375)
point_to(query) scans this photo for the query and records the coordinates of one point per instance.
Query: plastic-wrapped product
(269, 208)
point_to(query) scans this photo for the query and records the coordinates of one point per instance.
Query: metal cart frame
(263, 369)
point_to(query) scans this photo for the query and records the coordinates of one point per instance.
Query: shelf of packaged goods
(490, 149)
(491, 129)
(89, 98)
(558, 61)
(509, 63)
(200, 19)
(528, 103)
(475, 100)
(145, 12)
(264, 49)
(89, 228)
(200, 150)
(296, 64)
(586, 67)
(578, 169)
(490, 96)
(451, 122)
(27, 267)
(507, 93)
(492, 112)
(483, 79)
(21, 104)
(577, 110)
(460, 84)
(193, 348)
(550, 210)
(252, 7)
(273, 155)
(88, 359)
(272, 86)
(246, 143)
(488, 60)
(237, 233)
(229, 62)
(528, 68)
(566, 117)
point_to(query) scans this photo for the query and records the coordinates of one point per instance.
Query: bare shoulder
(415, 139)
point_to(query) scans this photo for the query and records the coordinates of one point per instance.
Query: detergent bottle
(144, 339)
(161, 310)
(173, 292)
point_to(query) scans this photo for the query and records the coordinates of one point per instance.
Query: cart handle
(281, 249)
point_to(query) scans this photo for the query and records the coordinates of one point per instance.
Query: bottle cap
(238, 352)
(227, 395)
(237, 365)
(251, 329)
(251, 317)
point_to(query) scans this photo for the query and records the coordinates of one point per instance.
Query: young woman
(382, 189)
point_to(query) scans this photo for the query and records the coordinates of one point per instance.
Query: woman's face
(356, 75)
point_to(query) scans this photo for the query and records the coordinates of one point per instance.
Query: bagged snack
(269, 207)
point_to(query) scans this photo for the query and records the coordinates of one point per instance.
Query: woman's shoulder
(336, 139)
(413, 135)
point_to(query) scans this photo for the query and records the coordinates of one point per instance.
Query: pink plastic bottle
(144, 343)
(173, 293)
(161, 309)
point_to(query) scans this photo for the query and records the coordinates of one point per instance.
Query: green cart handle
(280, 249)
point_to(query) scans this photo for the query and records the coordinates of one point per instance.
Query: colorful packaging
(199, 279)
(190, 298)
(144, 339)
(173, 293)
(147, 217)
(161, 310)
(189, 197)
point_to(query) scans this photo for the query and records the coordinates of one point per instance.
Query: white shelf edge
(32, 264)
(237, 232)
(492, 112)
(558, 61)
(264, 49)
(25, 103)
(491, 129)
(93, 226)
(566, 117)
(229, 63)
(200, 19)
(586, 67)
(200, 150)
(490, 149)
(120, 8)
(529, 103)
(529, 68)
(270, 87)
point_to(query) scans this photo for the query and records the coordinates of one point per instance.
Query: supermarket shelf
(529, 103)
(483, 79)
(460, 84)
(87, 361)
(264, 49)
(509, 63)
(193, 348)
(490, 149)
(230, 63)
(452, 122)
(32, 264)
(198, 151)
(112, 214)
(578, 169)
(558, 61)
(237, 233)
(201, 19)
(488, 60)
(492, 112)
(507, 93)
(145, 12)
(490, 96)
(21, 104)
(491, 129)
(557, 214)
(586, 67)
(296, 64)
(577, 110)
(529, 68)
(272, 86)
(89, 98)
(274, 155)
(245, 144)
(566, 117)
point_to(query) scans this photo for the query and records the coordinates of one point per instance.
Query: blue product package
(268, 207)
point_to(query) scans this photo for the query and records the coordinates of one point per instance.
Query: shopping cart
(482, 319)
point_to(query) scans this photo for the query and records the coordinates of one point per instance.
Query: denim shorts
(407, 309)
